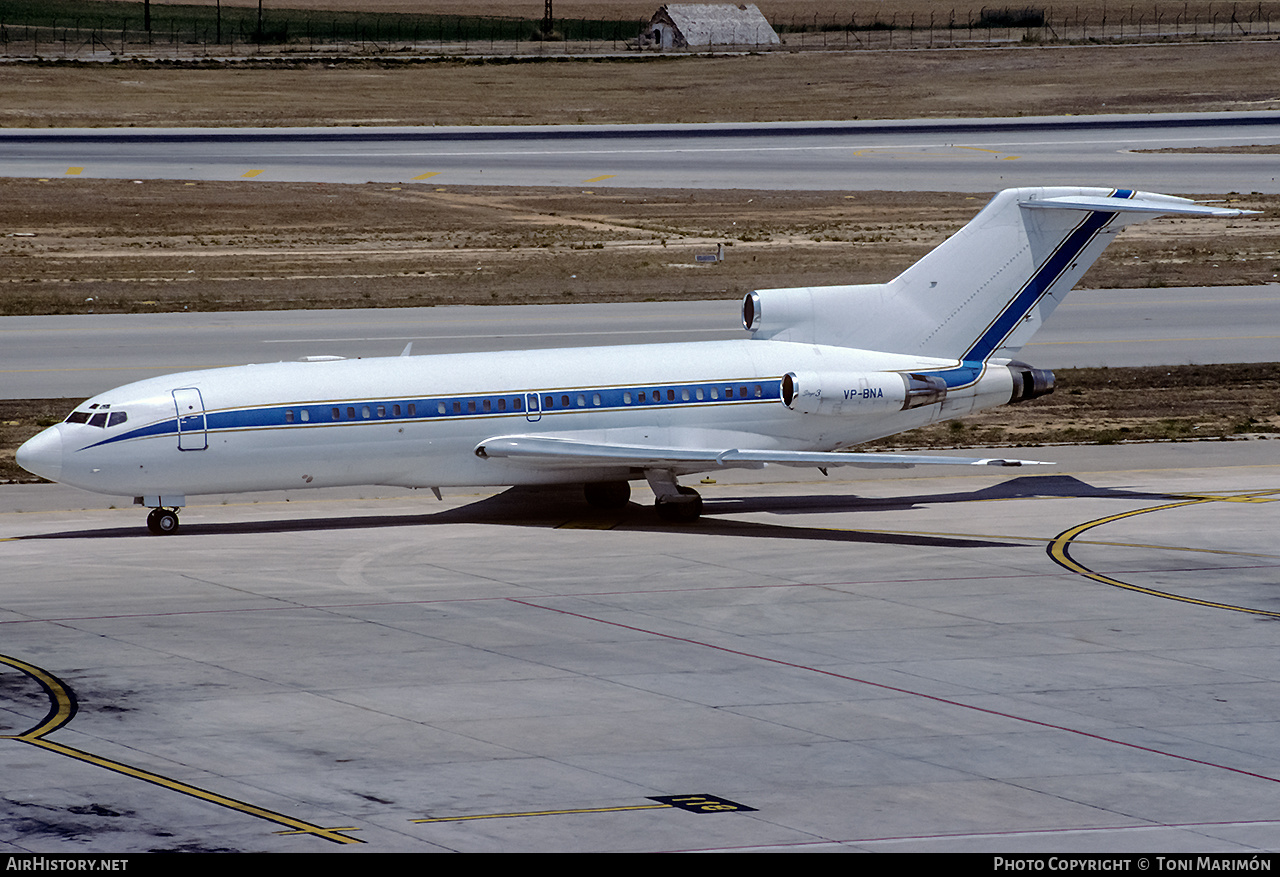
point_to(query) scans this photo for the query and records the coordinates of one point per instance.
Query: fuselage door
(191, 425)
(532, 407)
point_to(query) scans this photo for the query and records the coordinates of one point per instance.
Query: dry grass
(776, 87)
(117, 246)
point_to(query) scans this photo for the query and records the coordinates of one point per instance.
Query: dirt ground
(773, 87)
(79, 246)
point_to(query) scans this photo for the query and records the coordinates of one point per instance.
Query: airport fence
(51, 31)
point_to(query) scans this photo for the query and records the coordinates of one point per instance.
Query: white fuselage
(415, 421)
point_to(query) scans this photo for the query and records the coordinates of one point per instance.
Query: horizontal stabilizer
(552, 451)
(1142, 203)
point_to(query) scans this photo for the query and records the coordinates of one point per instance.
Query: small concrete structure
(682, 25)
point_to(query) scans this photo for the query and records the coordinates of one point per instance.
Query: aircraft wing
(536, 450)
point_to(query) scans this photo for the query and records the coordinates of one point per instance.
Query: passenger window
(364, 411)
(595, 399)
(502, 404)
(759, 392)
(698, 393)
(626, 398)
(471, 406)
(684, 395)
(306, 415)
(440, 408)
(518, 404)
(642, 397)
(414, 408)
(351, 412)
(288, 416)
(582, 400)
(395, 410)
(488, 405)
(742, 392)
(715, 393)
(457, 407)
(564, 401)
(337, 414)
(549, 402)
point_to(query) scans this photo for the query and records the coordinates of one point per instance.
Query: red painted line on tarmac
(898, 690)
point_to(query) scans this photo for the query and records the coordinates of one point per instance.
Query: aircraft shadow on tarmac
(551, 507)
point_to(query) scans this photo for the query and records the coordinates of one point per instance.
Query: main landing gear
(682, 508)
(163, 522)
(607, 494)
(675, 504)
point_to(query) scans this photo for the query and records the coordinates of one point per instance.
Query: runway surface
(58, 356)
(1081, 661)
(965, 155)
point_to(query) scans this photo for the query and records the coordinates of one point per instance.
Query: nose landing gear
(163, 522)
(163, 518)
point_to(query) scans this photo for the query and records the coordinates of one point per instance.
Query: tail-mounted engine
(1028, 382)
(859, 392)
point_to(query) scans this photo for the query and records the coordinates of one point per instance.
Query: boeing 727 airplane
(825, 368)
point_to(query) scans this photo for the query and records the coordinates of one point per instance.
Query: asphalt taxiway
(939, 155)
(1001, 660)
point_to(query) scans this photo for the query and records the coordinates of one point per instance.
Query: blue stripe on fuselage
(733, 391)
(963, 375)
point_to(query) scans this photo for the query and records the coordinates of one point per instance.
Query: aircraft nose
(42, 455)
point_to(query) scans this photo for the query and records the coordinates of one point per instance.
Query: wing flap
(553, 451)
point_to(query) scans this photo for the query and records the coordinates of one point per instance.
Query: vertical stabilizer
(984, 291)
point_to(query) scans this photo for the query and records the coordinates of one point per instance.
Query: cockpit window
(101, 418)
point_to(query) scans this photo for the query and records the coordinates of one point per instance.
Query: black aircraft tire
(607, 494)
(162, 522)
(681, 511)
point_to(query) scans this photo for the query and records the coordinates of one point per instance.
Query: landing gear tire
(680, 509)
(162, 522)
(607, 494)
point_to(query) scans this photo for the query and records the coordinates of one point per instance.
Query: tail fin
(984, 291)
